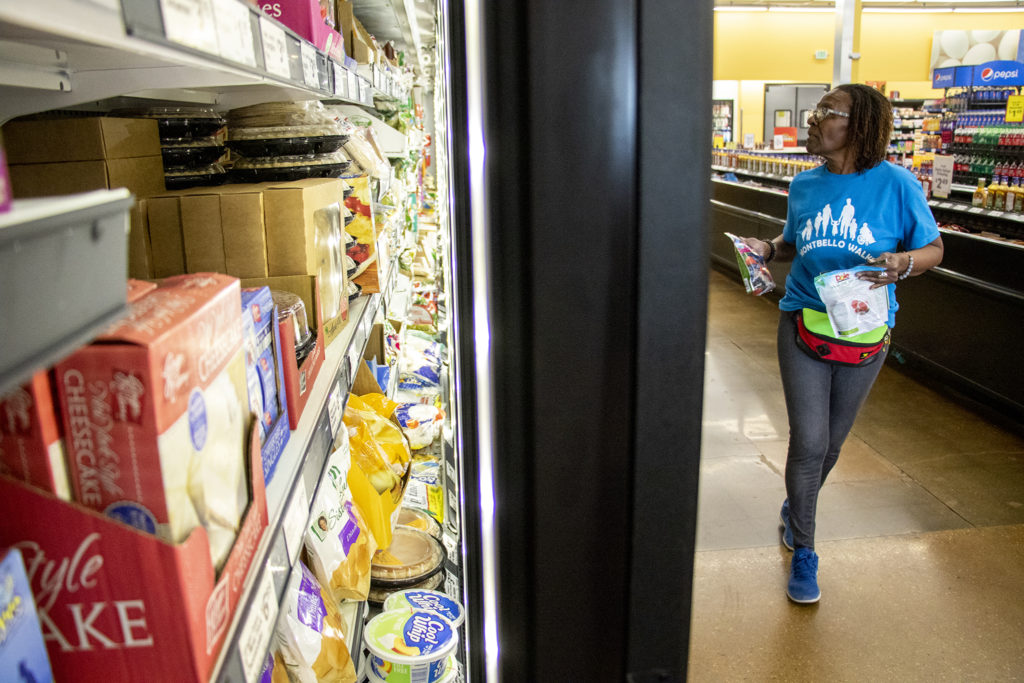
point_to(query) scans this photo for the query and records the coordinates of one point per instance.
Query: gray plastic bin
(63, 277)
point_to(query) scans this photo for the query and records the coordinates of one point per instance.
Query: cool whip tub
(451, 672)
(431, 601)
(410, 646)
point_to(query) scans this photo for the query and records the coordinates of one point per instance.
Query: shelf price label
(353, 85)
(942, 175)
(309, 72)
(336, 408)
(254, 640)
(234, 31)
(191, 23)
(340, 80)
(275, 49)
(294, 522)
(1015, 109)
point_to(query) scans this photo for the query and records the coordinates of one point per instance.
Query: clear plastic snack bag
(756, 276)
(853, 308)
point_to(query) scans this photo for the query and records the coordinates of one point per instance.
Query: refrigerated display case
(573, 392)
(721, 119)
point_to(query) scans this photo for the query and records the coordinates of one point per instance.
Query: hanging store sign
(998, 73)
(973, 47)
(943, 78)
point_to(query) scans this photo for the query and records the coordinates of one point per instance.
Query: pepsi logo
(986, 74)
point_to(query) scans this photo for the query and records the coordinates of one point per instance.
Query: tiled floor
(920, 530)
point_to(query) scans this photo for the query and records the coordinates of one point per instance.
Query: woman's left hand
(894, 264)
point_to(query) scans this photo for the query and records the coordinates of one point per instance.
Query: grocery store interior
(404, 340)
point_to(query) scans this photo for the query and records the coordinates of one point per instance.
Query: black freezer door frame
(580, 234)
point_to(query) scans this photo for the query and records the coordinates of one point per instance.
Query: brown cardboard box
(80, 139)
(168, 246)
(143, 176)
(290, 213)
(363, 50)
(219, 229)
(346, 23)
(140, 249)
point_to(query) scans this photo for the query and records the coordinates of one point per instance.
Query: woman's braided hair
(870, 125)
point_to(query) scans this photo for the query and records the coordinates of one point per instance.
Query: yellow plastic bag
(373, 410)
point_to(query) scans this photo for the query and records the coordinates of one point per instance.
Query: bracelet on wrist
(771, 251)
(910, 267)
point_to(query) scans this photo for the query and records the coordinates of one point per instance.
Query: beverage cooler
(458, 252)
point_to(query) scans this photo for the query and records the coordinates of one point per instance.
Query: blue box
(22, 650)
(264, 372)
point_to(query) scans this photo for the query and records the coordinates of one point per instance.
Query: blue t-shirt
(838, 221)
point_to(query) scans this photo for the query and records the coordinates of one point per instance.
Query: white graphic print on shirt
(844, 233)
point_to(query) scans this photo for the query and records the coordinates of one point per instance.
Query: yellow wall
(758, 47)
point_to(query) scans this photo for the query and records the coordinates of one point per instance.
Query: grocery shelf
(291, 492)
(961, 207)
(218, 52)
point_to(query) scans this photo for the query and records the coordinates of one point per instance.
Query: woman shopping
(854, 209)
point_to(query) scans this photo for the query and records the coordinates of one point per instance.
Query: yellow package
(385, 433)
(339, 545)
(380, 404)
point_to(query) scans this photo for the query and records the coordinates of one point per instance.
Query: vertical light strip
(480, 250)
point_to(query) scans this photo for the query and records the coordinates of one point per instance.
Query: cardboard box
(209, 229)
(80, 139)
(31, 448)
(140, 249)
(264, 365)
(129, 606)
(22, 650)
(139, 288)
(305, 18)
(298, 379)
(346, 21)
(167, 382)
(143, 176)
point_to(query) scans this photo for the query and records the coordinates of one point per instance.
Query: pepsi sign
(998, 73)
(943, 78)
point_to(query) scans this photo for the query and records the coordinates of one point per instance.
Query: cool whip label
(426, 632)
(434, 602)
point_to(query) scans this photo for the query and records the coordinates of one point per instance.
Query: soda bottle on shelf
(979, 194)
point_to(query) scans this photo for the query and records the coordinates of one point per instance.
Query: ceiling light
(989, 10)
(905, 10)
(801, 10)
(742, 8)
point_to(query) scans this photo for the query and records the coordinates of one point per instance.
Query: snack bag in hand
(756, 277)
(853, 307)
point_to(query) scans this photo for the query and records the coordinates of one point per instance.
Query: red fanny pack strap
(833, 351)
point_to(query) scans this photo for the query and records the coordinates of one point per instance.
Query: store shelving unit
(224, 54)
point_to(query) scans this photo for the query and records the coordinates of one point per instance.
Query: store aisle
(920, 529)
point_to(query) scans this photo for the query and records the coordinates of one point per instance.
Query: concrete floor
(920, 530)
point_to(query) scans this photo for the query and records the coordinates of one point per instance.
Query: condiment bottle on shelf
(1012, 190)
(979, 194)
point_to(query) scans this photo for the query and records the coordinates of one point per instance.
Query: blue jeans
(822, 400)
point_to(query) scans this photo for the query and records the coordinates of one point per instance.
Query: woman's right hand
(759, 246)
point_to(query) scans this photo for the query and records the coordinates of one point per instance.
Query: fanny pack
(860, 350)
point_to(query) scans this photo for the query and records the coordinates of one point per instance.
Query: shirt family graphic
(838, 221)
(842, 232)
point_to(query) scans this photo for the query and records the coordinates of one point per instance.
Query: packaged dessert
(31, 447)
(432, 601)
(265, 374)
(337, 542)
(380, 593)
(291, 308)
(413, 557)
(285, 140)
(181, 122)
(418, 519)
(278, 114)
(158, 410)
(310, 634)
(190, 153)
(283, 169)
(184, 177)
(410, 645)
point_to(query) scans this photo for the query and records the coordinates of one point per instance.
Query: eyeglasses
(822, 113)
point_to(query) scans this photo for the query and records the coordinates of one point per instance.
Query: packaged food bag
(756, 277)
(309, 633)
(337, 542)
(853, 307)
(420, 422)
(377, 446)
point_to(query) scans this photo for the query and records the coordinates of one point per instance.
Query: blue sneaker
(803, 577)
(787, 531)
